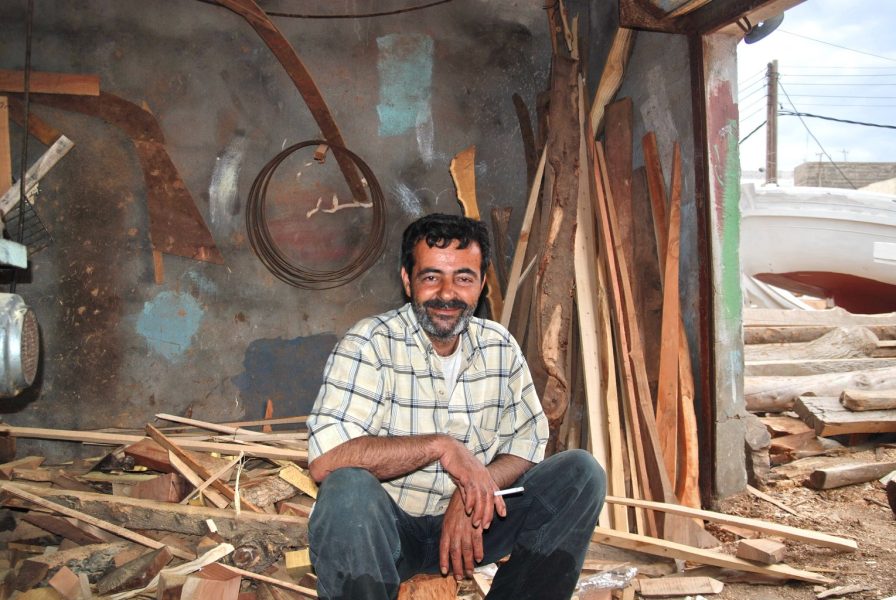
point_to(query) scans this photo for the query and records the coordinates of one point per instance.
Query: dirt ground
(858, 511)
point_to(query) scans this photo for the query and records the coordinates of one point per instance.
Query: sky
(836, 59)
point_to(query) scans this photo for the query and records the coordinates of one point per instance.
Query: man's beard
(433, 328)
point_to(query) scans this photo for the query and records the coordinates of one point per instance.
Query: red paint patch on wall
(721, 118)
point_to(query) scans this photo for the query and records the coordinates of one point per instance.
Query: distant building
(849, 175)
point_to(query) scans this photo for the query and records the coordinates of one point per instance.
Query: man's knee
(581, 467)
(347, 497)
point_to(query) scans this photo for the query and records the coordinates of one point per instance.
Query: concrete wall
(408, 92)
(848, 175)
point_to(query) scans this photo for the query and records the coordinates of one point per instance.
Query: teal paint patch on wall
(732, 293)
(168, 323)
(405, 69)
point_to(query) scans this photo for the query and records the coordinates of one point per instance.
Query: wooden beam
(105, 525)
(95, 437)
(611, 77)
(766, 551)
(658, 547)
(786, 531)
(5, 151)
(777, 394)
(45, 133)
(40, 82)
(841, 475)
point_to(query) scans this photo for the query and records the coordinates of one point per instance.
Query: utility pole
(771, 125)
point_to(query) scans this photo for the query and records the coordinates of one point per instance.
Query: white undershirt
(450, 367)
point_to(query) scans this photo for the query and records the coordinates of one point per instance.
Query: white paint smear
(223, 188)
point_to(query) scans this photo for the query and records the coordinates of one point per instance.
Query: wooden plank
(658, 547)
(585, 262)
(800, 368)
(832, 317)
(861, 400)
(678, 586)
(35, 173)
(61, 527)
(42, 82)
(764, 550)
(815, 538)
(781, 426)
(519, 253)
(170, 487)
(218, 485)
(667, 401)
(463, 172)
(27, 462)
(762, 495)
(136, 573)
(611, 77)
(95, 437)
(842, 475)
(5, 150)
(105, 525)
(828, 417)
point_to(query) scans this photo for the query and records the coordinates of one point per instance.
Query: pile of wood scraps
(159, 516)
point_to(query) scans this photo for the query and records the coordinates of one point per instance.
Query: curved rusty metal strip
(295, 68)
(175, 224)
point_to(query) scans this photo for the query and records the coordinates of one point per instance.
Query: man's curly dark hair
(440, 230)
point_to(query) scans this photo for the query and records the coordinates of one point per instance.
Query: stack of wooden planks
(198, 510)
(835, 369)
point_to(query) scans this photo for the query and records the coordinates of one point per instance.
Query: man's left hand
(460, 548)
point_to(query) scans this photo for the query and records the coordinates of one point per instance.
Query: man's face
(444, 288)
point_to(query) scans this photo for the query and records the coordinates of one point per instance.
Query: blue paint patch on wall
(405, 69)
(288, 372)
(168, 323)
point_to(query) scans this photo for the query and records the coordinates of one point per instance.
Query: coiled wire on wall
(296, 275)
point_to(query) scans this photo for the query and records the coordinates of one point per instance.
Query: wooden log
(777, 394)
(553, 300)
(767, 334)
(136, 573)
(268, 491)
(842, 475)
(842, 342)
(41, 82)
(189, 520)
(800, 368)
(764, 550)
(64, 510)
(666, 548)
(861, 400)
(808, 536)
(428, 587)
(828, 417)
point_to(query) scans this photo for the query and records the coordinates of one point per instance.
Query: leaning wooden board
(828, 417)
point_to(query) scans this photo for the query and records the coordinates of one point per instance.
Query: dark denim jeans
(363, 545)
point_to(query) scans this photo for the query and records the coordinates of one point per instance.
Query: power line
(812, 135)
(788, 113)
(852, 97)
(744, 139)
(837, 46)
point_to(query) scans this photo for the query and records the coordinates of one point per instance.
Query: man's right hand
(474, 482)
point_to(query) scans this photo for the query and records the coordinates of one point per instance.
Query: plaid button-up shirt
(385, 379)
